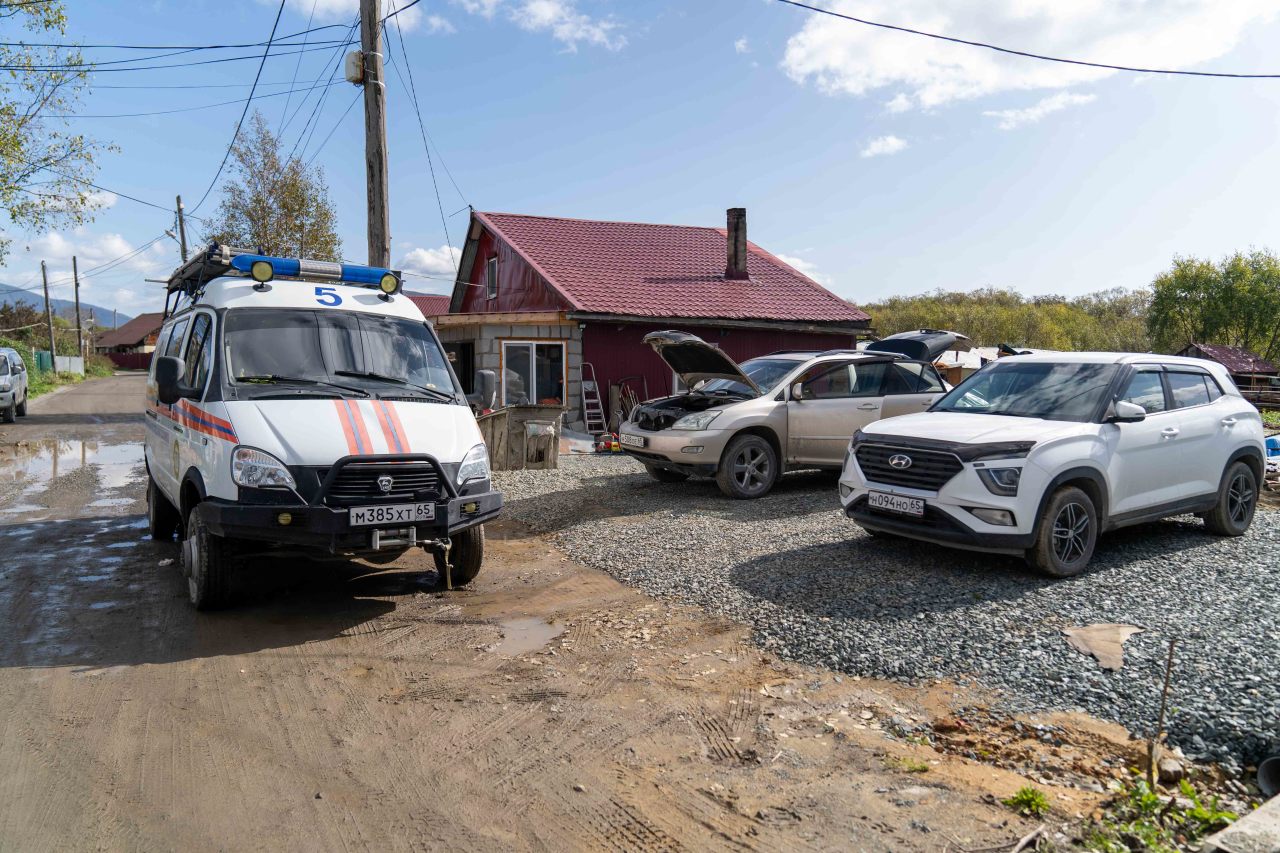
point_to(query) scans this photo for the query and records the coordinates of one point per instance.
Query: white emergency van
(298, 405)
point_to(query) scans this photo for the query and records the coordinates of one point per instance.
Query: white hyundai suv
(1036, 455)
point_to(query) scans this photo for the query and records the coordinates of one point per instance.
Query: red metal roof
(132, 333)
(1234, 359)
(430, 304)
(644, 270)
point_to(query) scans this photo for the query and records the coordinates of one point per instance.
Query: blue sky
(880, 163)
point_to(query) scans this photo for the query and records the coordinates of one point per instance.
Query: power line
(282, 40)
(336, 125)
(89, 68)
(89, 183)
(403, 8)
(319, 98)
(231, 145)
(1022, 53)
(298, 65)
(196, 109)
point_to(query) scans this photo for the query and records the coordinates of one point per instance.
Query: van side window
(199, 355)
(162, 342)
(174, 347)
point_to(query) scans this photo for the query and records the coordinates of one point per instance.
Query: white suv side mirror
(1124, 412)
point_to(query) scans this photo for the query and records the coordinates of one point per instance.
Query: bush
(98, 365)
(1028, 802)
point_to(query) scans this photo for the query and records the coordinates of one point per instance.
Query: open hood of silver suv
(922, 344)
(694, 360)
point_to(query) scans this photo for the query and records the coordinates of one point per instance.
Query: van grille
(357, 482)
(930, 469)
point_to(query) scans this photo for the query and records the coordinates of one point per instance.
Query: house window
(533, 372)
(491, 277)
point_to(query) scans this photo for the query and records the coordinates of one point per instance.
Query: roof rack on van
(216, 260)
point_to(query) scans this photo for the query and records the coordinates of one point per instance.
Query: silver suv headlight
(696, 420)
(1001, 481)
(475, 465)
(259, 470)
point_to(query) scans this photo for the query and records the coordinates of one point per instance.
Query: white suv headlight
(697, 420)
(254, 468)
(1001, 481)
(475, 465)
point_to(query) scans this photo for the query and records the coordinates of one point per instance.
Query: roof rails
(792, 352)
(216, 260)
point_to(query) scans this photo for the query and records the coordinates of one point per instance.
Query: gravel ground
(819, 590)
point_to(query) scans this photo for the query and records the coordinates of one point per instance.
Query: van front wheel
(466, 555)
(208, 561)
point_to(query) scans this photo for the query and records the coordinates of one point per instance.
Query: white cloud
(486, 8)
(438, 263)
(843, 57)
(808, 268)
(899, 104)
(437, 24)
(111, 268)
(343, 11)
(1010, 119)
(566, 24)
(883, 145)
(742, 45)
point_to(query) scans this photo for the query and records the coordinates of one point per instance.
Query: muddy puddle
(525, 634)
(34, 465)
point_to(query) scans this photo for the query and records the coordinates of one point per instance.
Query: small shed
(1257, 378)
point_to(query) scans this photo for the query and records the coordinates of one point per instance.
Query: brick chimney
(736, 268)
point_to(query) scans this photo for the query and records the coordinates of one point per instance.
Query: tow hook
(443, 546)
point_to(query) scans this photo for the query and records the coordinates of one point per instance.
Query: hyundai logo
(385, 483)
(900, 461)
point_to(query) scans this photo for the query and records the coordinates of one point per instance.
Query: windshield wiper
(368, 374)
(302, 380)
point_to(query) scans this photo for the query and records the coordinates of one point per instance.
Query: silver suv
(13, 385)
(746, 424)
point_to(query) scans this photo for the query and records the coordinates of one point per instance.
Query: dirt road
(345, 706)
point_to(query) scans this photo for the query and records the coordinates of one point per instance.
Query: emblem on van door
(900, 461)
(385, 483)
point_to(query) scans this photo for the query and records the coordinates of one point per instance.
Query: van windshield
(336, 348)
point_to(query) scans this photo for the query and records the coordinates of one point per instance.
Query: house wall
(520, 286)
(487, 339)
(616, 350)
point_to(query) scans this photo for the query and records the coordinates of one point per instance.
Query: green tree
(43, 167)
(275, 203)
(1111, 320)
(1235, 301)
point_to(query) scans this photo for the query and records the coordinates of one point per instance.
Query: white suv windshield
(1064, 391)
(374, 352)
(765, 372)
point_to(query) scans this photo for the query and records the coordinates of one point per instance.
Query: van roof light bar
(216, 260)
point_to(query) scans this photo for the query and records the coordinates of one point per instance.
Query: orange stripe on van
(388, 432)
(357, 420)
(344, 418)
(396, 425)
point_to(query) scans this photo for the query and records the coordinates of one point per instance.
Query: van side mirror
(1124, 412)
(169, 385)
(797, 391)
(486, 394)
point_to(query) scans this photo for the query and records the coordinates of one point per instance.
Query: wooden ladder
(592, 408)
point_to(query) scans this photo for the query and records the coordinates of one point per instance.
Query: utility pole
(75, 274)
(182, 231)
(375, 132)
(48, 314)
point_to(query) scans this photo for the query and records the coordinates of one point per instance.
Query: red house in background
(541, 300)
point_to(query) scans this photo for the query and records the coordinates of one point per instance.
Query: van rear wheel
(466, 555)
(208, 560)
(162, 517)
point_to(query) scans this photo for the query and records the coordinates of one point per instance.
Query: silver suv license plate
(632, 440)
(895, 503)
(363, 516)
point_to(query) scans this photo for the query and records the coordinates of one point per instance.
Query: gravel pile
(817, 589)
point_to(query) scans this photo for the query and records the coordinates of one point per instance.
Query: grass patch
(1141, 819)
(907, 765)
(1028, 802)
(1271, 418)
(43, 382)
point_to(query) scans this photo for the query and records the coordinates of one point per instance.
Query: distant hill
(62, 307)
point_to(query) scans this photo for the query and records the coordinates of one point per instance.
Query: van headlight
(259, 470)
(475, 465)
(5, 386)
(1001, 481)
(697, 420)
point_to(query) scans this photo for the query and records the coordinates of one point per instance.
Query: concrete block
(1256, 832)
